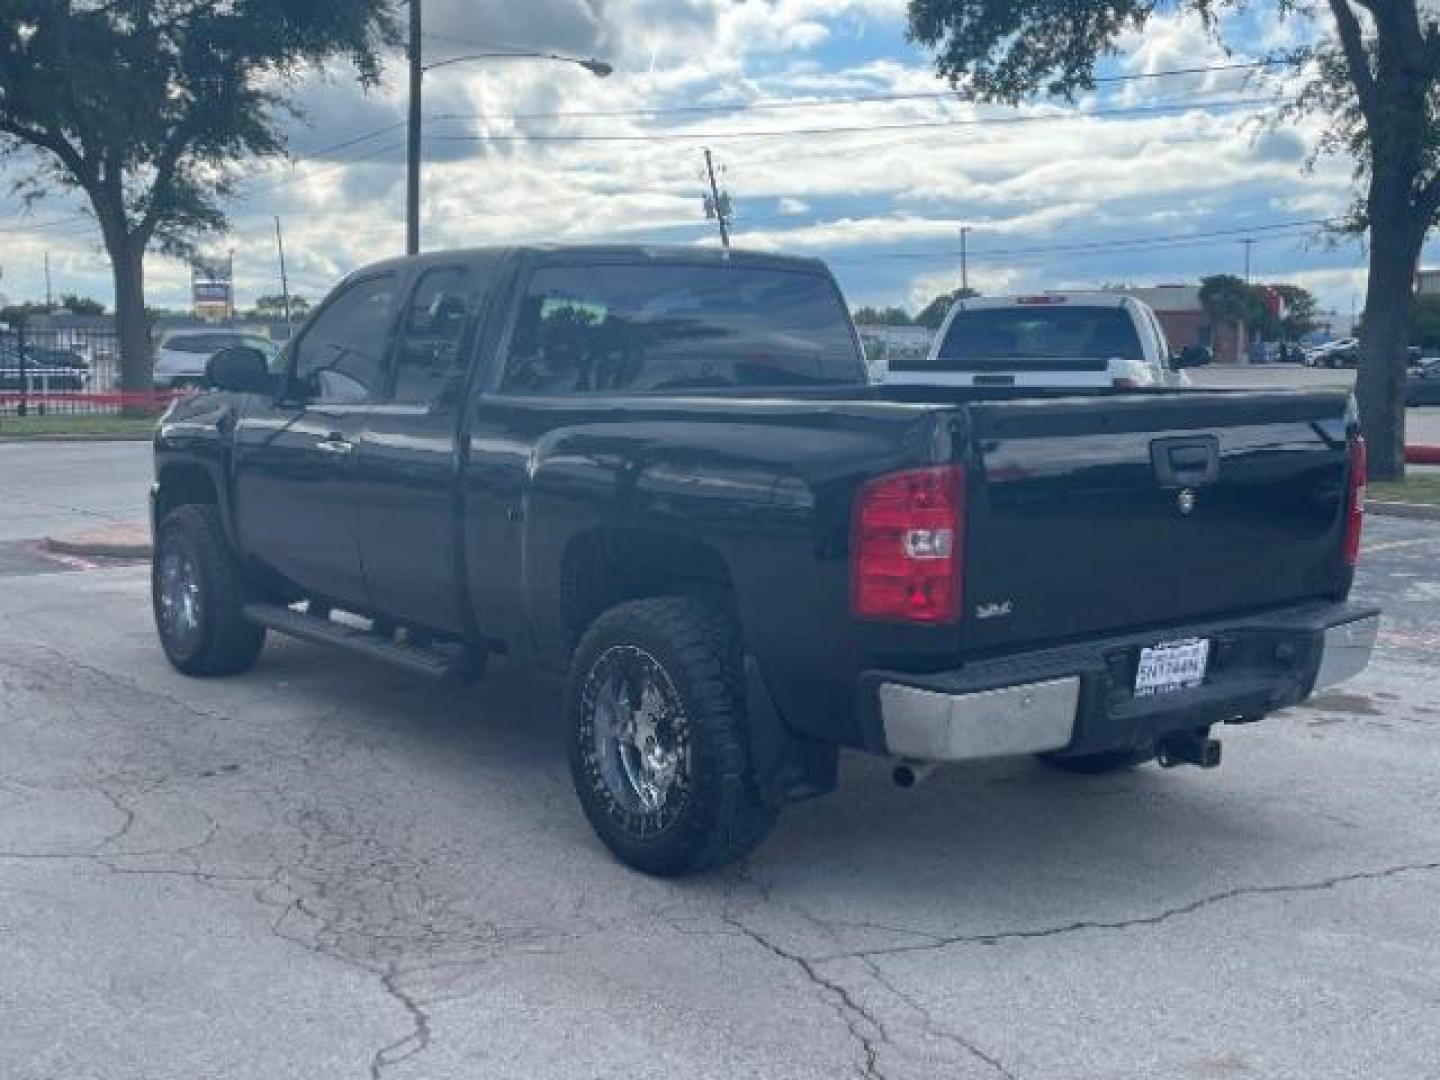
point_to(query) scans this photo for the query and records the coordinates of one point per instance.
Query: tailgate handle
(1186, 462)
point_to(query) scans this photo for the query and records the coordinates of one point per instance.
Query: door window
(341, 358)
(430, 364)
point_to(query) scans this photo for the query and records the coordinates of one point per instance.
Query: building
(1186, 322)
(1427, 282)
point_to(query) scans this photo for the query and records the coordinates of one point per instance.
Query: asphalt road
(51, 487)
(325, 869)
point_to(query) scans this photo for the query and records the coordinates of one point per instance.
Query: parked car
(182, 355)
(1342, 352)
(36, 375)
(1079, 340)
(661, 471)
(1422, 384)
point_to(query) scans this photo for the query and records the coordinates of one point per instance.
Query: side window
(340, 360)
(430, 366)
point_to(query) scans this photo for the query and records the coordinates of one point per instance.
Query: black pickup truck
(663, 472)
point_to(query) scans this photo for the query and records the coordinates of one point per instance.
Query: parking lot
(325, 869)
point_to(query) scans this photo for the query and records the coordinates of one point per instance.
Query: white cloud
(1068, 180)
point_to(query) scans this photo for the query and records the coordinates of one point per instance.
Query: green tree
(272, 306)
(18, 314)
(147, 106)
(933, 313)
(1425, 322)
(890, 316)
(1301, 310)
(81, 305)
(1375, 73)
(1226, 298)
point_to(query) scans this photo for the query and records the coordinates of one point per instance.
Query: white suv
(181, 358)
(1049, 340)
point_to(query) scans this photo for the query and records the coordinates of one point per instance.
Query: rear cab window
(1040, 337)
(607, 328)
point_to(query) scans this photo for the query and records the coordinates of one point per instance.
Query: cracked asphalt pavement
(327, 869)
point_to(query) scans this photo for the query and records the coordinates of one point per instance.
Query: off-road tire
(722, 817)
(226, 644)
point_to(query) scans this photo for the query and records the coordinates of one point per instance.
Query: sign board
(212, 287)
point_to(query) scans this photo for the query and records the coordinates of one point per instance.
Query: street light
(599, 68)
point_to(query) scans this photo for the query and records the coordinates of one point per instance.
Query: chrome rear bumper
(1022, 719)
(949, 720)
(1346, 652)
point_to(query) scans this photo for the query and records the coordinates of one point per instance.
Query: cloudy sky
(834, 138)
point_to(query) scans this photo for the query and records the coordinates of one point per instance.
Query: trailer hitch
(1189, 748)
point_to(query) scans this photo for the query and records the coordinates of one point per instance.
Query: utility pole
(717, 204)
(284, 281)
(964, 259)
(1249, 243)
(412, 153)
(49, 298)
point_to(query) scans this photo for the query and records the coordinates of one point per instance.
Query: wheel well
(183, 485)
(609, 567)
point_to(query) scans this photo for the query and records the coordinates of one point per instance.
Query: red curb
(1422, 455)
(130, 541)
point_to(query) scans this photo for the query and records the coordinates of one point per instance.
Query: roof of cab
(1055, 297)
(657, 253)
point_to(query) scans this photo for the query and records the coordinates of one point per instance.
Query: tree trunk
(127, 261)
(1380, 383)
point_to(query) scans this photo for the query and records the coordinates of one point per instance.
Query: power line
(364, 137)
(817, 103)
(1128, 245)
(311, 156)
(982, 121)
(16, 227)
(744, 106)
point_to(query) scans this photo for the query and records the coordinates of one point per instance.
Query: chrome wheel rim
(179, 595)
(636, 740)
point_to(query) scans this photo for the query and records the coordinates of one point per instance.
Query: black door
(298, 458)
(409, 455)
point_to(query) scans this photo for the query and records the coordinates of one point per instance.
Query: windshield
(1059, 337)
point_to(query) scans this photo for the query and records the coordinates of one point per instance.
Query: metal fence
(66, 372)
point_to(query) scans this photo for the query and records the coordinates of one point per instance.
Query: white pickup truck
(1089, 339)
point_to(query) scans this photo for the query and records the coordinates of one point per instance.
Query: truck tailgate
(1094, 515)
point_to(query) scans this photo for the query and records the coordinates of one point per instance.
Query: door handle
(335, 443)
(1187, 461)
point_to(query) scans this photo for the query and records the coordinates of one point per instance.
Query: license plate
(1174, 665)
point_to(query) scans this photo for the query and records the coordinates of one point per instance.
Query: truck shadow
(981, 848)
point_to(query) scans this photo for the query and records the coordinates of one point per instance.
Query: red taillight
(1123, 383)
(1355, 500)
(905, 546)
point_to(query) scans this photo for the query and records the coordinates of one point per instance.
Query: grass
(21, 426)
(1415, 488)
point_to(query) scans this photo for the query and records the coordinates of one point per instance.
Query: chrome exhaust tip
(908, 774)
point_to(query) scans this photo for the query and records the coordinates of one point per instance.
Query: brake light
(1043, 298)
(1124, 383)
(1355, 500)
(905, 546)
